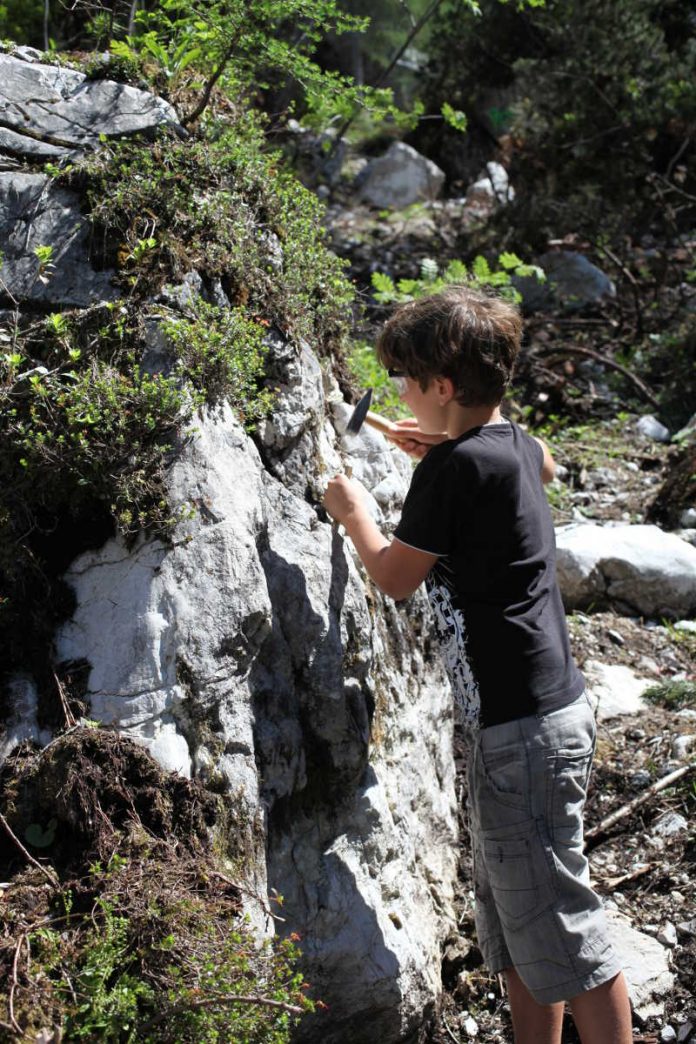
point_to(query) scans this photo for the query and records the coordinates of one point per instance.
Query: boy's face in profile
(428, 407)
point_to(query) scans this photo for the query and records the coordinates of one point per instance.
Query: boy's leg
(603, 1014)
(534, 1023)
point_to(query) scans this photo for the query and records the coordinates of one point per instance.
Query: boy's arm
(397, 569)
(548, 468)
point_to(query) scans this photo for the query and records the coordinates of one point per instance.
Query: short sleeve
(433, 508)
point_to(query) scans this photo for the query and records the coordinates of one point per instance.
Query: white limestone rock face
(252, 653)
(638, 568)
(399, 178)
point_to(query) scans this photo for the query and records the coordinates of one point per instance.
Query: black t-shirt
(478, 503)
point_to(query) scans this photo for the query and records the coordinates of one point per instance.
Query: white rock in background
(614, 690)
(652, 428)
(652, 572)
(645, 964)
(687, 519)
(492, 186)
(399, 178)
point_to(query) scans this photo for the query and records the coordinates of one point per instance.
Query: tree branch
(224, 999)
(631, 806)
(34, 862)
(606, 361)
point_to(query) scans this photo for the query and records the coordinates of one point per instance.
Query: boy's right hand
(341, 498)
(412, 440)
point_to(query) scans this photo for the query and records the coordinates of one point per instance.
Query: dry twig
(67, 713)
(572, 349)
(223, 999)
(626, 810)
(50, 877)
(15, 982)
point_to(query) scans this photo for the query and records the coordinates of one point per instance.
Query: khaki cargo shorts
(534, 907)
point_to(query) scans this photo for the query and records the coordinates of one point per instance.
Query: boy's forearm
(369, 542)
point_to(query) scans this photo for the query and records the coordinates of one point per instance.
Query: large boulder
(399, 178)
(253, 655)
(639, 569)
(250, 650)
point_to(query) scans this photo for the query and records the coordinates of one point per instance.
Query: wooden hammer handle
(380, 423)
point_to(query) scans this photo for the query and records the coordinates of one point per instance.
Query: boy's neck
(461, 419)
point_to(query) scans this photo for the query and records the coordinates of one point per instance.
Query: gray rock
(640, 567)
(615, 690)
(681, 745)
(35, 212)
(22, 723)
(667, 1034)
(651, 427)
(669, 824)
(61, 108)
(491, 187)
(687, 519)
(399, 178)
(667, 935)
(572, 281)
(249, 651)
(645, 964)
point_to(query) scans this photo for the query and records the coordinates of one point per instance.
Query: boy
(477, 528)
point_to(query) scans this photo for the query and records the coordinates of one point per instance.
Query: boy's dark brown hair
(464, 334)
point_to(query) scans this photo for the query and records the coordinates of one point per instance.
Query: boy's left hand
(341, 498)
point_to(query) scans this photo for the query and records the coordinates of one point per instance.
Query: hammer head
(358, 415)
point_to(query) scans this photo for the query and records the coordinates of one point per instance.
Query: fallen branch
(628, 809)
(606, 361)
(27, 855)
(224, 999)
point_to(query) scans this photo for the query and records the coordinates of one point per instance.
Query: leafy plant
(432, 280)
(672, 694)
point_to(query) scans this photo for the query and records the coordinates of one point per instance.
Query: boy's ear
(445, 389)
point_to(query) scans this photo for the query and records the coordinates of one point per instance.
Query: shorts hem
(496, 964)
(571, 988)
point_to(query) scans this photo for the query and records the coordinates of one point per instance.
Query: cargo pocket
(517, 873)
(567, 783)
(506, 775)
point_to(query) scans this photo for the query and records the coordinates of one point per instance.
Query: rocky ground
(643, 866)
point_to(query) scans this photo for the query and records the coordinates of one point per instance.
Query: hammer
(363, 415)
